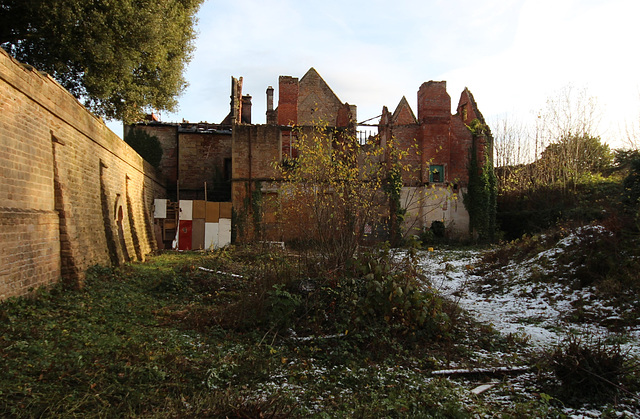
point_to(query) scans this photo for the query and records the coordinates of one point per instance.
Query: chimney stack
(271, 114)
(246, 109)
(270, 98)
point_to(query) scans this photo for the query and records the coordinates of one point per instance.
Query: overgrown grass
(538, 209)
(600, 262)
(242, 332)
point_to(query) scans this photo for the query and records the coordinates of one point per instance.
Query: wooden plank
(199, 209)
(224, 232)
(210, 236)
(159, 208)
(184, 236)
(225, 210)
(481, 389)
(213, 212)
(494, 370)
(197, 234)
(186, 210)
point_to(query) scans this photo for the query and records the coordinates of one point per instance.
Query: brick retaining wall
(72, 193)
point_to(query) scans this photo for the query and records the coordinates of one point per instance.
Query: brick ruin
(433, 190)
(73, 194)
(235, 157)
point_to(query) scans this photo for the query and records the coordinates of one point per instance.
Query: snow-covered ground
(540, 312)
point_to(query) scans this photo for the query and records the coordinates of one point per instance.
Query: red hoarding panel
(184, 237)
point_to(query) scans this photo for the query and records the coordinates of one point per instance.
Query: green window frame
(436, 173)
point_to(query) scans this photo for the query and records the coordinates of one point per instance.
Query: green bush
(396, 295)
(282, 306)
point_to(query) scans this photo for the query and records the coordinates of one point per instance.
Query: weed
(282, 305)
(259, 333)
(590, 369)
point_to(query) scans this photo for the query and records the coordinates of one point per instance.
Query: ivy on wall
(480, 200)
(393, 188)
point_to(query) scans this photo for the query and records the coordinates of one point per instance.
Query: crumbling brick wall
(167, 135)
(255, 150)
(194, 153)
(202, 159)
(445, 142)
(310, 101)
(72, 194)
(288, 100)
(317, 103)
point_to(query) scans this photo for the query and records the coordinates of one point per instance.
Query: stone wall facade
(73, 194)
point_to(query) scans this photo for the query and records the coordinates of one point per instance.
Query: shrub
(589, 369)
(394, 294)
(282, 306)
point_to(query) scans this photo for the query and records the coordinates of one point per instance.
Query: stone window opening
(227, 169)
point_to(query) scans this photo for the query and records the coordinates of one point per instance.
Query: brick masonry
(72, 193)
(310, 101)
(434, 137)
(444, 140)
(202, 159)
(198, 152)
(194, 154)
(167, 135)
(255, 148)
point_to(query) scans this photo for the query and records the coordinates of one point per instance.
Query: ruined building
(73, 194)
(433, 191)
(235, 157)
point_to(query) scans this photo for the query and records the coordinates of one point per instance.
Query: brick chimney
(236, 101)
(288, 100)
(272, 118)
(246, 109)
(433, 101)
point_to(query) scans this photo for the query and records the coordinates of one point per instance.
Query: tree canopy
(121, 57)
(148, 146)
(572, 157)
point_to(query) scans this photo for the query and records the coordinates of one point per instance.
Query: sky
(513, 55)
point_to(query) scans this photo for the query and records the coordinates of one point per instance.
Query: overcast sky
(511, 54)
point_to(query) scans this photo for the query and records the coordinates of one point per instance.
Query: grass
(257, 334)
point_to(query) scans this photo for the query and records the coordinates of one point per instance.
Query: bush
(282, 306)
(395, 295)
(589, 369)
(438, 229)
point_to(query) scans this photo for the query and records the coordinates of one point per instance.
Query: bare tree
(632, 133)
(571, 112)
(569, 122)
(514, 151)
